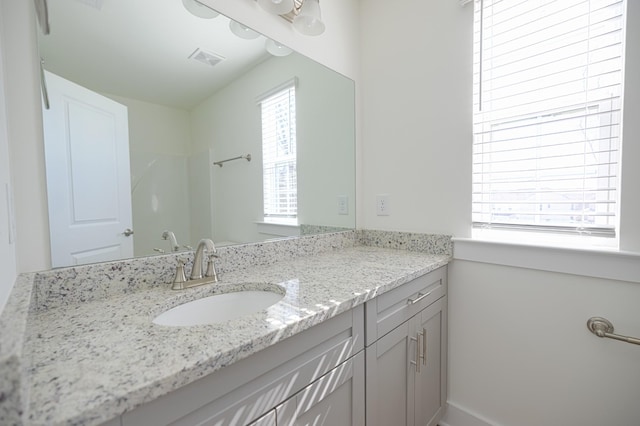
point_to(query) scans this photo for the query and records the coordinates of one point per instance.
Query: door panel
(428, 390)
(88, 178)
(390, 379)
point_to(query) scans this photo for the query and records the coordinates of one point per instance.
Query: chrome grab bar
(246, 157)
(602, 327)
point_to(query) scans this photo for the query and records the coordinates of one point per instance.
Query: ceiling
(140, 49)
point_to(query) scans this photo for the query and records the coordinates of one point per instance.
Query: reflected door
(86, 141)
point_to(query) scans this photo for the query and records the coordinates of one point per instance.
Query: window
(547, 115)
(280, 186)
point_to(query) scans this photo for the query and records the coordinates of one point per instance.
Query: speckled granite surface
(80, 284)
(13, 360)
(92, 352)
(426, 243)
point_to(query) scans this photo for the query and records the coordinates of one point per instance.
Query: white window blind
(547, 114)
(280, 183)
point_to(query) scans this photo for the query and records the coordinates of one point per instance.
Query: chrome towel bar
(603, 328)
(246, 157)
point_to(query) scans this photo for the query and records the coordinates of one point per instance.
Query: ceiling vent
(207, 58)
(96, 4)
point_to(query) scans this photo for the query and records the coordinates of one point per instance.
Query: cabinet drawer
(389, 310)
(335, 399)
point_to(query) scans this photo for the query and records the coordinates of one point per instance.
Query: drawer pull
(417, 299)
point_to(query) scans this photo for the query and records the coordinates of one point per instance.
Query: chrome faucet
(199, 275)
(172, 240)
(197, 272)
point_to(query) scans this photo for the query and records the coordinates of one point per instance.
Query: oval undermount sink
(218, 308)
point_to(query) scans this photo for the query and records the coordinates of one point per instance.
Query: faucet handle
(180, 277)
(211, 270)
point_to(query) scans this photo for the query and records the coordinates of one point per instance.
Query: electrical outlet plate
(343, 204)
(383, 206)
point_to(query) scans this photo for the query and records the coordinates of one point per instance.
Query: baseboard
(458, 416)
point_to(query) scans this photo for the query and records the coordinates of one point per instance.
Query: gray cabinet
(335, 399)
(248, 391)
(268, 419)
(406, 367)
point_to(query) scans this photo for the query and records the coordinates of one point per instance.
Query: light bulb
(277, 49)
(198, 9)
(309, 20)
(242, 31)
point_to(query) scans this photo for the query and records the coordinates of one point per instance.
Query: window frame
(279, 200)
(482, 227)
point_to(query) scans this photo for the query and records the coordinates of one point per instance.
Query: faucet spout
(197, 270)
(172, 240)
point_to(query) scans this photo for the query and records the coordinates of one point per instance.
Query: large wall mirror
(191, 85)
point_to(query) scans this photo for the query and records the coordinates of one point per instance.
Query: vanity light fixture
(277, 49)
(277, 7)
(305, 15)
(242, 31)
(309, 20)
(198, 9)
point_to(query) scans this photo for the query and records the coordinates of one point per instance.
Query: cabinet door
(430, 385)
(337, 398)
(390, 378)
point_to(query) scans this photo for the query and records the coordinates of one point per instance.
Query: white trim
(280, 87)
(608, 264)
(458, 416)
(279, 229)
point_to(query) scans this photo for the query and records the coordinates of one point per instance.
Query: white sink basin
(218, 308)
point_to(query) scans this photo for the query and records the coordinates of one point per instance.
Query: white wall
(629, 224)
(228, 123)
(416, 108)
(24, 118)
(159, 144)
(520, 352)
(21, 149)
(7, 237)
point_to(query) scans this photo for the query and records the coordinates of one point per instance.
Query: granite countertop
(92, 361)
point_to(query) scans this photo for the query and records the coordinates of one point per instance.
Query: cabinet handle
(417, 361)
(417, 299)
(424, 346)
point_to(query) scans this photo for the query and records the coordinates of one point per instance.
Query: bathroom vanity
(360, 334)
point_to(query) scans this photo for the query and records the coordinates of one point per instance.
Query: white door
(86, 138)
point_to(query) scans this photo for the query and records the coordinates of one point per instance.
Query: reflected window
(279, 175)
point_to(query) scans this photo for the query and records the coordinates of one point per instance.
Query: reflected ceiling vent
(206, 58)
(96, 4)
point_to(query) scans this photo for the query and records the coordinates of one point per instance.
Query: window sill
(599, 263)
(280, 229)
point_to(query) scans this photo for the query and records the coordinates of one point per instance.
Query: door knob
(128, 232)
